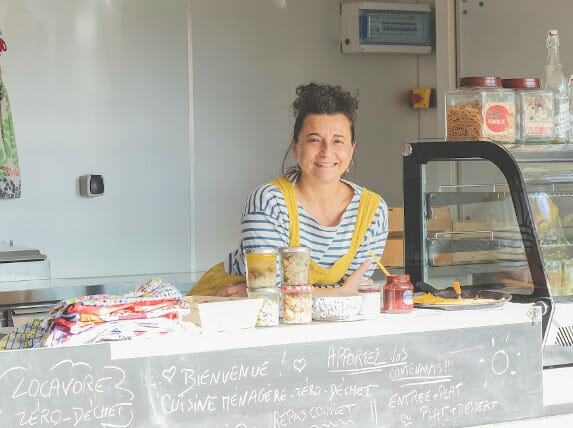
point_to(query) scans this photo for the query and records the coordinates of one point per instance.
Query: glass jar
(398, 294)
(269, 312)
(261, 265)
(370, 294)
(533, 109)
(297, 304)
(480, 109)
(295, 265)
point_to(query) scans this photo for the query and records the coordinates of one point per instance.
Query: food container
(336, 308)
(480, 109)
(533, 110)
(261, 269)
(213, 313)
(398, 294)
(370, 299)
(297, 304)
(269, 312)
(295, 265)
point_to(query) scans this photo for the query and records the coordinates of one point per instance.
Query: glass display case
(497, 217)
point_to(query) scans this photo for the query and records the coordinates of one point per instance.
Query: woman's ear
(293, 148)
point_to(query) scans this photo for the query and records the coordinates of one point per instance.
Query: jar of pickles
(297, 304)
(295, 265)
(398, 294)
(534, 109)
(269, 312)
(480, 109)
(261, 267)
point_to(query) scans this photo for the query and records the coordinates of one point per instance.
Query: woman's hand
(351, 284)
(234, 290)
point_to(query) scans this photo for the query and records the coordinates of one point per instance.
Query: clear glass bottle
(370, 294)
(295, 265)
(297, 304)
(570, 92)
(533, 110)
(480, 109)
(269, 312)
(554, 79)
(261, 267)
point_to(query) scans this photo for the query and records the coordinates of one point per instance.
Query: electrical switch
(423, 98)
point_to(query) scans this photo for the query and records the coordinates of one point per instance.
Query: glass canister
(295, 265)
(533, 109)
(297, 304)
(398, 294)
(269, 312)
(480, 109)
(261, 265)
(370, 294)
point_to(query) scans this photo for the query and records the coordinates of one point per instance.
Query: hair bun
(321, 98)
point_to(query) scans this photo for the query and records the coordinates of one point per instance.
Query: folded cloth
(153, 300)
(61, 335)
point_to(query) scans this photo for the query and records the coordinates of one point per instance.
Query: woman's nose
(324, 147)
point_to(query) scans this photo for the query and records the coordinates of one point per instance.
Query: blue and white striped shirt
(265, 224)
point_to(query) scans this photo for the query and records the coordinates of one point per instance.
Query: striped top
(265, 224)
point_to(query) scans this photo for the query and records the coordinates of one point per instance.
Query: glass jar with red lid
(480, 109)
(533, 109)
(398, 294)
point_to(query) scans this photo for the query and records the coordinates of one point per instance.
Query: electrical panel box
(371, 27)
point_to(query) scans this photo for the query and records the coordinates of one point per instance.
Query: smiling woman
(312, 205)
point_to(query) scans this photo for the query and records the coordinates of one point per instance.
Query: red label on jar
(497, 118)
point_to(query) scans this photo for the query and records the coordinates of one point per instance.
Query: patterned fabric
(153, 308)
(265, 224)
(10, 187)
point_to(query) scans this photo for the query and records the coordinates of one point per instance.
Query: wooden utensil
(379, 263)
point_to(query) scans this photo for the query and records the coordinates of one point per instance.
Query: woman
(312, 205)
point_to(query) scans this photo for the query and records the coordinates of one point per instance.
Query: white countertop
(419, 320)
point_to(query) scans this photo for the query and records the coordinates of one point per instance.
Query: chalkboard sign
(443, 378)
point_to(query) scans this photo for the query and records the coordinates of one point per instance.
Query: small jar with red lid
(398, 294)
(480, 109)
(533, 109)
(297, 304)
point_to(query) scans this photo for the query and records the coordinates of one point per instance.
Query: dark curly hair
(320, 98)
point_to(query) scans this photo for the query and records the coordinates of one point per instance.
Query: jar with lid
(533, 109)
(269, 312)
(297, 304)
(398, 294)
(370, 294)
(261, 265)
(480, 109)
(295, 265)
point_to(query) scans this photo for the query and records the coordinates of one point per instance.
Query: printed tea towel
(9, 165)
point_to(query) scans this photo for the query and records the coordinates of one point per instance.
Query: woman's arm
(350, 286)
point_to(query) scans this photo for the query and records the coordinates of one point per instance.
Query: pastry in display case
(511, 207)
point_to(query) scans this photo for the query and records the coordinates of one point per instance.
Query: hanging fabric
(9, 164)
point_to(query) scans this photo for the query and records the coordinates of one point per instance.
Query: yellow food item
(430, 299)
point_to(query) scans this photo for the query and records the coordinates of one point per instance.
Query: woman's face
(325, 147)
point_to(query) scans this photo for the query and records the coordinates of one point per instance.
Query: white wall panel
(100, 86)
(248, 58)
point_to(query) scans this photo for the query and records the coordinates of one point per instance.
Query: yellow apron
(216, 279)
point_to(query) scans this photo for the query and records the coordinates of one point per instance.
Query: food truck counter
(425, 368)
